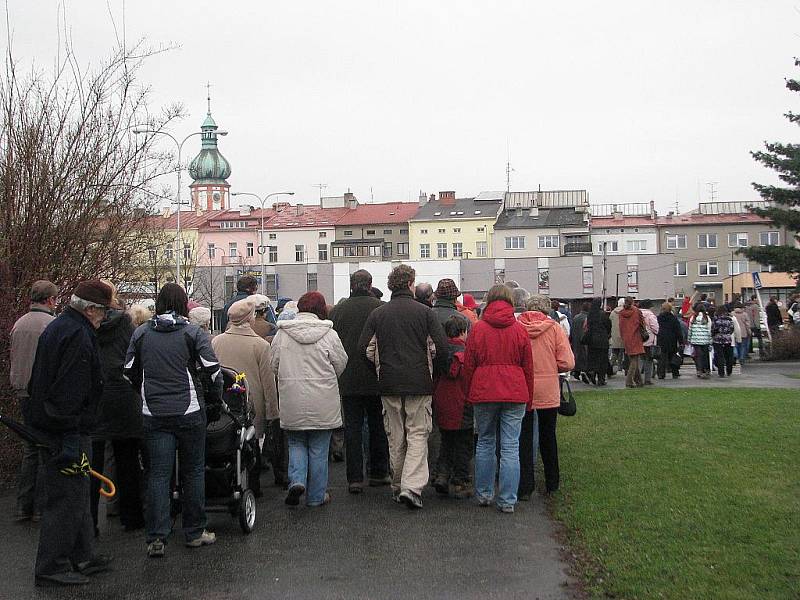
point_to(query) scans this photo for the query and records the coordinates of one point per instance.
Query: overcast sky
(633, 101)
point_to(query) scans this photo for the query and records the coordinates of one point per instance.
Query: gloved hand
(70, 451)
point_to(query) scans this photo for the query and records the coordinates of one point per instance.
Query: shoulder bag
(568, 407)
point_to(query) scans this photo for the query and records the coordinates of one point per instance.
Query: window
(232, 249)
(588, 280)
(707, 268)
(370, 232)
(323, 234)
(769, 238)
(441, 230)
(680, 269)
(152, 254)
(707, 240)
(375, 251)
(212, 250)
(423, 232)
(404, 232)
(610, 247)
(457, 249)
(424, 250)
(348, 233)
(441, 250)
(311, 282)
(402, 248)
(516, 242)
(233, 224)
(387, 232)
(169, 253)
(338, 252)
(187, 252)
(299, 253)
(456, 229)
(272, 253)
(737, 267)
(767, 268)
(737, 240)
(271, 285)
(548, 241)
(387, 249)
(676, 242)
(322, 252)
(250, 249)
(273, 236)
(636, 246)
(481, 249)
(481, 229)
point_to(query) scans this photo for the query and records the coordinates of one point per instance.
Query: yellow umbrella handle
(110, 490)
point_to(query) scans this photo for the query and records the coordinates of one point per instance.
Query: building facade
(373, 232)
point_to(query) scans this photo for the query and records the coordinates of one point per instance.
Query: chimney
(447, 198)
(350, 200)
(198, 211)
(423, 198)
(244, 210)
(652, 209)
(534, 211)
(280, 206)
(166, 212)
(299, 210)
(433, 197)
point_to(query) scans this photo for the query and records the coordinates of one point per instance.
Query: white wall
(429, 271)
(649, 235)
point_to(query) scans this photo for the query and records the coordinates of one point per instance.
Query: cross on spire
(208, 90)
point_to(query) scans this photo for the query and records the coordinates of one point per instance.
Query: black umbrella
(40, 441)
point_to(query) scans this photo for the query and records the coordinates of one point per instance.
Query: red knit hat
(469, 302)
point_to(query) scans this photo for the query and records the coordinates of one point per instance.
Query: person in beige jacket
(308, 357)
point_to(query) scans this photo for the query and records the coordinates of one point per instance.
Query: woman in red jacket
(554, 355)
(498, 369)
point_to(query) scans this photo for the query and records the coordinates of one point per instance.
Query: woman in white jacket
(308, 357)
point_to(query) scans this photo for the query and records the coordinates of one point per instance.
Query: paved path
(358, 547)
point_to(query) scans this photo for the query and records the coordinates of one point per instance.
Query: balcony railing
(577, 248)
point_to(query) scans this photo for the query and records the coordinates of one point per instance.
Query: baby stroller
(231, 453)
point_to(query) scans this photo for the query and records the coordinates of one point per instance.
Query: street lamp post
(179, 145)
(261, 247)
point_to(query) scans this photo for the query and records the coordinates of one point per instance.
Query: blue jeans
(487, 416)
(162, 436)
(308, 462)
(741, 349)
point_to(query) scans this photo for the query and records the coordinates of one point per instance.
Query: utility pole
(605, 248)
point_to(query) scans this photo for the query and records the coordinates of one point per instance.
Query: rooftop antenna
(371, 196)
(712, 190)
(677, 205)
(509, 170)
(208, 95)
(321, 187)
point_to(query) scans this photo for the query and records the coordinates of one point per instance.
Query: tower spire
(208, 95)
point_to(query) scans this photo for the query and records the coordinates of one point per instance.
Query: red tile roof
(389, 212)
(312, 216)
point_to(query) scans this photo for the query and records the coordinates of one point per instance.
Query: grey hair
(539, 303)
(520, 296)
(81, 304)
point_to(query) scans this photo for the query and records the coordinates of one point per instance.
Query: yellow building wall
(469, 236)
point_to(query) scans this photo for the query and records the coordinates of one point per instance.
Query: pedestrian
(358, 386)
(498, 367)
(396, 336)
(170, 360)
(66, 382)
(650, 344)
(794, 310)
(745, 325)
(631, 324)
(579, 350)
(24, 338)
(139, 314)
(774, 316)
(243, 350)
(261, 324)
(308, 357)
(453, 415)
(200, 316)
(520, 296)
(595, 338)
(617, 345)
(288, 311)
(445, 307)
(753, 310)
(423, 293)
(670, 342)
(246, 285)
(551, 347)
(468, 307)
(722, 332)
(700, 339)
(119, 419)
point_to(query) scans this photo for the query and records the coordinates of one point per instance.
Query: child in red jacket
(454, 416)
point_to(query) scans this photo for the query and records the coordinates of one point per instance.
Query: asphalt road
(357, 547)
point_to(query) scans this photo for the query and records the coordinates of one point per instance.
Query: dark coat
(446, 308)
(119, 412)
(774, 317)
(348, 319)
(66, 381)
(670, 333)
(598, 327)
(401, 328)
(223, 319)
(575, 336)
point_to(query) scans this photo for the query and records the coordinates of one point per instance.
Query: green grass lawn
(683, 493)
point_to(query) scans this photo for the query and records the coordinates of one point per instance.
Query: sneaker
(506, 508)
(356, 487)
(61, 579)
(295, 491)
(380, 481)
(205, 539)
(410, 499)
(441, 485)
(156, 549)
(96, 564)
(396, 497)
(483, 502)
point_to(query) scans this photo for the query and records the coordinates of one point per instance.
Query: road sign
(757, 280)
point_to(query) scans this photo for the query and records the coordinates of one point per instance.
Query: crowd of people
(422, 390)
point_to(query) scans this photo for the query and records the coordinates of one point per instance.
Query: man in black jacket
(65, 384)
(359, 388)
(246, 285)
(397, 337)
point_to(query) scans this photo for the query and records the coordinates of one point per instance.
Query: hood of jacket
(306, 328)
(499, 314)
(112, 321)
(627, 313)
(738, 311)
(536, 323)
(168, 322)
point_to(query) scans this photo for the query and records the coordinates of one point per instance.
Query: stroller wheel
(247, 511)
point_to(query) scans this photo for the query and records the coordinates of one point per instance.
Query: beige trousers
(408, 422)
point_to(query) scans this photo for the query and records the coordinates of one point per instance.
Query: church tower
(210, 170)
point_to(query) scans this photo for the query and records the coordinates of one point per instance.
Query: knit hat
(94, 291)
(200, 315)
(191, 305)
(447, 289)
(281, 303)
(241, 312)
(260, 301)
(469, 302)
